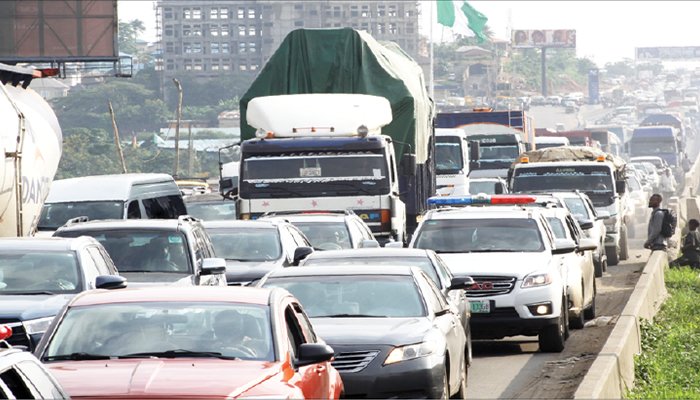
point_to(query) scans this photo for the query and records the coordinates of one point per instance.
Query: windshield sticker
(377, 173)
(309, 172)
(174, 239)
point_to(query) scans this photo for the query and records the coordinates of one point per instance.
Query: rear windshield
(55, 215)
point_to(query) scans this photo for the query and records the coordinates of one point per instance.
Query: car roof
(43, 244)
(370, 252)
(206, 197)
(479, 212)
(100, 187)
(342, 270)
(312, 217)
(185, 294)
(114, 224)
(258, 223)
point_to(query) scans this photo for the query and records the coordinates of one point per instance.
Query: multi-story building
(215, 36)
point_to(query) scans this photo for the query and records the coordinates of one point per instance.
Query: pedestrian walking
(667, 184)
(691, 247)
(655, 240)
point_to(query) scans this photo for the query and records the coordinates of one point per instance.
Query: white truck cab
(451, 161)
(515, 259)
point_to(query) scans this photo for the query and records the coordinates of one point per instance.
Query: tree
(128, 33)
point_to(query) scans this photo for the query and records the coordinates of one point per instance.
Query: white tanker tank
(31, 143)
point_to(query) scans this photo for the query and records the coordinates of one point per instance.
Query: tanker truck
(32, 143)
(342, 122)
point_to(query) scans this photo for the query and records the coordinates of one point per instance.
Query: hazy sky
(606, 30)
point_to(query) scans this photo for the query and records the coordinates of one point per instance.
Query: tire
(598, 267)
(462, 393)
(577, 322)
(445, 385)
(553, 337)
(589, 312)
(624, 248)
(613, 256)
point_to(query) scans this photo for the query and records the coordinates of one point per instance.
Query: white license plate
(480, 306)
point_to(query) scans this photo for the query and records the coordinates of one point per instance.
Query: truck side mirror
(227, 185)
(408, 164)
(620, 186)
(473, 155)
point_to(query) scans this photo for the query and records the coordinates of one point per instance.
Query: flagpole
(431, 73)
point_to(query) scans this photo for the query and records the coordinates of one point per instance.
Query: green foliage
(564, 70)
(669, 366)
(621, 68)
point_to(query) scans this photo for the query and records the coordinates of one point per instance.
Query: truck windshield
(498, 152)
(314, 175)
(55, 215)
(649, 147)
(596, 181)
(448, 154)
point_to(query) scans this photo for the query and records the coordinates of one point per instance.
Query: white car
(515, 260)
(581, 275)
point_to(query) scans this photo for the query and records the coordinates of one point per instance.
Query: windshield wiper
(245, 259)
(77, 356)
(179, 353)
(495, 251)
(350, 316)
(33, 292)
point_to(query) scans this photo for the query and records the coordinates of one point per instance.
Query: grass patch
(669, 366)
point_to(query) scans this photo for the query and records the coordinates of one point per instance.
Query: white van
(123, 196)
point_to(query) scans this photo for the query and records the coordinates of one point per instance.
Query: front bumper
(420, 378)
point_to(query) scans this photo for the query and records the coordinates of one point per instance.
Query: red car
(188, 342)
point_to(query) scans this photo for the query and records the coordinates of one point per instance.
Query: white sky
(607, 31)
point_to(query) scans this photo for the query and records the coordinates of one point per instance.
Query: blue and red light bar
(494, 199)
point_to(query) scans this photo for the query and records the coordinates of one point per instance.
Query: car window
(164, 207)
(294, 332)
(299, 237)
(246, 243)
(39, 379)
(433, 301)
(442, 301)
(17, 385)
(326, 235)
(577, 207)
(557, 227)
(133, 211)
(574, 229)
(304, 323)
(99, 260)
(442, 270)
(89, 268)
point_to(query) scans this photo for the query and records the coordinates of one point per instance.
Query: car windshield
(488, 187)
(163, 329)
(649, 147)
(141, 250)
(448, 154)
(498, 152)
(246, 243)
(55, 215)
(355, 295)
(596, 181)
(326, 235)
(577, 207)
(480, 235)
(221, 210)
(39, 272)
(423, 263)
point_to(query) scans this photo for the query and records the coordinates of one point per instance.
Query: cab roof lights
(481, 199)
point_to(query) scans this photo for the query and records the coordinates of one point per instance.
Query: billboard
(58, 30)
(667, 53)
(522, 38)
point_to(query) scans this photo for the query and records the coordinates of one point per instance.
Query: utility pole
(116, 138)
(177, 127)
(190, 150)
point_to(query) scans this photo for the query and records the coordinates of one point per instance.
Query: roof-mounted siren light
(5, 332)
(600, 158)
(362, 131)
(524, 159)
(481, 199)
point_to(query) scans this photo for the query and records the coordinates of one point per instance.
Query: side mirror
(461, 282)
(564, 246)
(213, 266)
(408, 164)
(499, 188)
(313, 353)
(603, 215)
(393, 245)
(110, 282)
(473, 155)
(368, 243)
(226, 185)
(587, 244)
(585, 224)
(620, 186)
(301, 253)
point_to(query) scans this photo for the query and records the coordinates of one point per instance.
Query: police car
(513, 256)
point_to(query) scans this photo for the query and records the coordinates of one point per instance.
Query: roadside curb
(612, 372)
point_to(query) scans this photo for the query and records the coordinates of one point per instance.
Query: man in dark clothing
(655, 240)
(691, 247)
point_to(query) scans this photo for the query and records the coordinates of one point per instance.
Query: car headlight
(39, 325)
(431, 344)
(537, 279)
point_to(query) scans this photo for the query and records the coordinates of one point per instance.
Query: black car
(426, 260)
(22, 376)
(394, 333)
(253, 248)
(38, 276)
(156, 251)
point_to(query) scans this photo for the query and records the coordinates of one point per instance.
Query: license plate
(480, 306)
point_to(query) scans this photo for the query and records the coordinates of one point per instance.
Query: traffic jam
(365, 246)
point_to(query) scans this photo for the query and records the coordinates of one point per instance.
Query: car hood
(386, 331)
(496, 263)
(141, 279)
(195, 377)
(26, 307)
(246, 271)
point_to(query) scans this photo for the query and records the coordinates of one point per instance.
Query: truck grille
(353, 361)
(19, 335)
(491, 285)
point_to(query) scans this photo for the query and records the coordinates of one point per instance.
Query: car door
(457, 297)
(586, 260)
(313, 378)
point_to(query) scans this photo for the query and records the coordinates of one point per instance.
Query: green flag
(477, 21)
(446, 13)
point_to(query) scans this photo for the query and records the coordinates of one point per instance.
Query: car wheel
(589, 312)
(462, 393)
(598, 268)
(553, 337)
(613, 255)
(577, 322)
(445, 385)
(624, 249)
